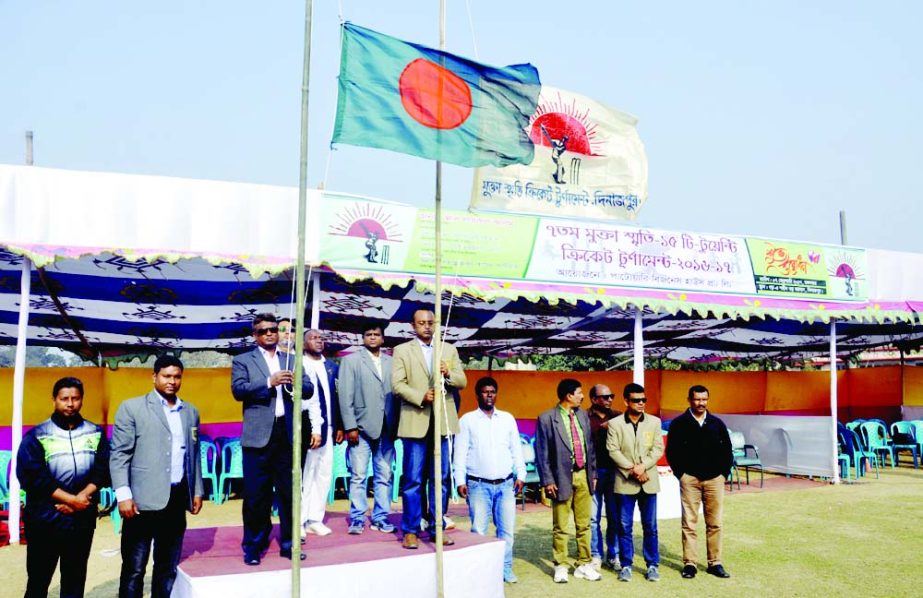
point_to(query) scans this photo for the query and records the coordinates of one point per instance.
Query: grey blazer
(553, 453)
(249, 373)
(141, 444)
(366, 400)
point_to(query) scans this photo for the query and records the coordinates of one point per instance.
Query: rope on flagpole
(474, 41)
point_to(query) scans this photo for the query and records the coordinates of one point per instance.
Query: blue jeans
(647, 504)
(418, 470)
(381, 452)
(497, 502)
(604, 497)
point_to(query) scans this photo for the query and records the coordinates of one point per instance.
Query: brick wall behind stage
(866, 392)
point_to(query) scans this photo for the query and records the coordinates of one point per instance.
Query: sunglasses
(637, 400)
(605, 397)
(264, 331)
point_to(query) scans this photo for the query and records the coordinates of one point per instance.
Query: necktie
(578, 446)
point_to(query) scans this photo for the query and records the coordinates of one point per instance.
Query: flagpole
(299, 309)
(438, 404)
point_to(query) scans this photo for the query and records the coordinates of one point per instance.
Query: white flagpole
(638, 349)
(833, 404)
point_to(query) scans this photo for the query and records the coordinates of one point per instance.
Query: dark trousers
(165, 528)
(264, 469)
(46, 546)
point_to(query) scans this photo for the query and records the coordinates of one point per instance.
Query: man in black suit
(260, 380)
(565, 459)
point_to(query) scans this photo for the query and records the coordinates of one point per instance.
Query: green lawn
(858, 539)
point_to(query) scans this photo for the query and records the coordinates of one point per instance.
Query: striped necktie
(578, 446)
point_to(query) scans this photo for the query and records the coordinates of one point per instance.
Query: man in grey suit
(370, 420)
(566, 463)
(157, 476)
(261, 381)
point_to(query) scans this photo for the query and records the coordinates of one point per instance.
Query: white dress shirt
(272, 362)
(488, 447)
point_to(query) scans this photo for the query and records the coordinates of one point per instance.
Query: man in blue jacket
(62, 462)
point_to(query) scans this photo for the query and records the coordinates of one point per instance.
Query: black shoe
(718, 571)
(251, 559)
(689, 571)
(286, 553)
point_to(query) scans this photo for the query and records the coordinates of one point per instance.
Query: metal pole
(315, 300)
(638, 349)
(19, 375)
(438, 404)
(842, 227)
(833, 404)
(299, 308)
(19, 385)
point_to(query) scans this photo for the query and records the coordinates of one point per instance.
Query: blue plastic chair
(340, 470)
(232, 467)
(532, 479)
(397, 469)
(861, 451)
(209, 455)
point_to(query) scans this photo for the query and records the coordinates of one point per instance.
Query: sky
(759, 118)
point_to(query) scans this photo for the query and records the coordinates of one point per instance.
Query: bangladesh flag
(408, 98)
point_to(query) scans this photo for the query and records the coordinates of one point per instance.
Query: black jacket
(701, 451)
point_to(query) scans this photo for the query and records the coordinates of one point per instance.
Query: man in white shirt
(490, 469)
(323, 419)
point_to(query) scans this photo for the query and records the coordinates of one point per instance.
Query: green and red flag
(408, 98)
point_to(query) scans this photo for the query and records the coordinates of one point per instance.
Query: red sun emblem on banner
(562, 119)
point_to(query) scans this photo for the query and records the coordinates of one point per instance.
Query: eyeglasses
(264, 331)
(605, 397)
(637, 400)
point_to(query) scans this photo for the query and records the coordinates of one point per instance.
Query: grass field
(856, 539)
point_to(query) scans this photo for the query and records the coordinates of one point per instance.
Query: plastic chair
(860, 452)
(340, 470)
(232, 468)
(876, 440)
(904, 438)
(532, 479)
(208, 451)
(107, 502)
(5, 458)
(397, 469)
(854, 424)
(917, 426)
(746, 456)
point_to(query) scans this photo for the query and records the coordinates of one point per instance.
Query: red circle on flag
(434, 96)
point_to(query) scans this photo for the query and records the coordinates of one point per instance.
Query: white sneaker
(318, 529)
(587, 572)
(449, 524)
(560, 574)
(597, 563)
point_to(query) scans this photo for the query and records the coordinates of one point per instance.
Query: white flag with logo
(589, 163)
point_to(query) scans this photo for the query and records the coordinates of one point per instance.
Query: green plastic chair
(861, 451)
(876, 440)
(397, 469)
(232, 468)
(340, 470)
(209, 455)
(5, 458)
(532, 478)
(904, 438)
(746, 456)
(107, 502)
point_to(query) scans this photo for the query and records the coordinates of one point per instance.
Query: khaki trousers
(709, 494)
(579, 506)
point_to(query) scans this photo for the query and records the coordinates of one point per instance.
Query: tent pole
(638, 349)
(833, 403)
(299, 308)
(19, 379)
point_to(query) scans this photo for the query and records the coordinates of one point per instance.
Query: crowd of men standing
(590, 462)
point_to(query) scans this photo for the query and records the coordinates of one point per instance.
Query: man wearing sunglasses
(262, 382)
(604, 496)
(635, 445)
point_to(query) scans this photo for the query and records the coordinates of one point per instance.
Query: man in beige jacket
(417, 382)
(635, 445)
